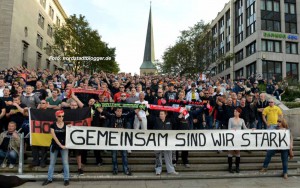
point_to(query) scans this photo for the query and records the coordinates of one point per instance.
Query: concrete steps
(204, 164)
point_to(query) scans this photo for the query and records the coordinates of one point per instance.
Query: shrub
(292, 104)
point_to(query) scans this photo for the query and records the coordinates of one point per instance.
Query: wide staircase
(204, 164)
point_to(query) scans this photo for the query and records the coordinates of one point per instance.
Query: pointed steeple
(149, 57)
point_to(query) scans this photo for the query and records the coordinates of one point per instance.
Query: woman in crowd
(281, 124)
(235, 123)
(58, 132)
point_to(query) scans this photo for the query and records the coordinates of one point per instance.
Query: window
(239, 74)
(41, 21)
(291, 27)
(291, 48)
(250, 17)
(290, 16)
(270, 69)
(271, 46)
(251, 49)
(292, 72)
(227, 63)
(25, 54)
(51, 12)
(221, 67)
(48, 48)
(57, 21)
(43, 3)
(239, 56)
(250, 69)
(39, 41)
(38, 60)
(238, 22)
(48, 63)
(270, 14)
(49, 30)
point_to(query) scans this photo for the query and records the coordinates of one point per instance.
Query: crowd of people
(224, 104)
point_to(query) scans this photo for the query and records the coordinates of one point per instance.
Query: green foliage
(292, 104)
(77, 39)
(262, 87)
(190, 53)
(290, 95)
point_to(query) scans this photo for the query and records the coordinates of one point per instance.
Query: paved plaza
(274, 182)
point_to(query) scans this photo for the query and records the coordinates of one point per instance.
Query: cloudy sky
(123, 23)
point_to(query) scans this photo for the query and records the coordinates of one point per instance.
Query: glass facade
(271, 46)
(292, 71)
(290, 16)
(270, 15)
(250, 17)
(272, 68)
(239, 21)
(250, 69)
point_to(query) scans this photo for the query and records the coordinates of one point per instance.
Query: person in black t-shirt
(15, 112)
(39, 91)
(58, 132)
(118, 120)
(2, 114)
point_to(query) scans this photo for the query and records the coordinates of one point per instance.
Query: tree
(191, 53)
(77, 39)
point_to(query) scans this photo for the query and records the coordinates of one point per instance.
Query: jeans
(115, 160)
(252, 125)
(260, 123)
(272, 127)
(284, 159)
(10, 155)
(209, 121)
(65, 160)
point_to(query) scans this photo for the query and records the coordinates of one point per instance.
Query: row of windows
(270, 69)
(41, 22)
(50, 12)
(275, 46)
(39, 43)
(270, 5)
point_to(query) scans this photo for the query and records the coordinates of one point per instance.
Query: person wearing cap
(255, 89)
(192, 95)
(58, 132)
(171, 94)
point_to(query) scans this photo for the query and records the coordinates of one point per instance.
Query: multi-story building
(257, 37)
(26, 32)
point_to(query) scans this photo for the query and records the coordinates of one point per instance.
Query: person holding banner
(281, 124)
(58, 132)
(235, 123)
(118, 120)
(140, 120)
(162, 123)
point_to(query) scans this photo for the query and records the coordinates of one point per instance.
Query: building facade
(256, 37)
(26, 32)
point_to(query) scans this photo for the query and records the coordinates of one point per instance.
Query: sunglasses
(271, 102)
(60, 116)
(278, 121)
(43, 103)
(123, 95)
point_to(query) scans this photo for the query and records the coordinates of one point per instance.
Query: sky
(123, 23)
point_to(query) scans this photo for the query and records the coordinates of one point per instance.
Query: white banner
(98, 138)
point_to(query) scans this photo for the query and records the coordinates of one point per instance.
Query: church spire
(149, 57)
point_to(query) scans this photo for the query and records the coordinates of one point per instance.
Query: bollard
(21, 155)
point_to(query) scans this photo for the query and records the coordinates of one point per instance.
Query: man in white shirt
(140, 119)
(2, 86)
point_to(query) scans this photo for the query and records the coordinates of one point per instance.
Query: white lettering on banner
(97, 138)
